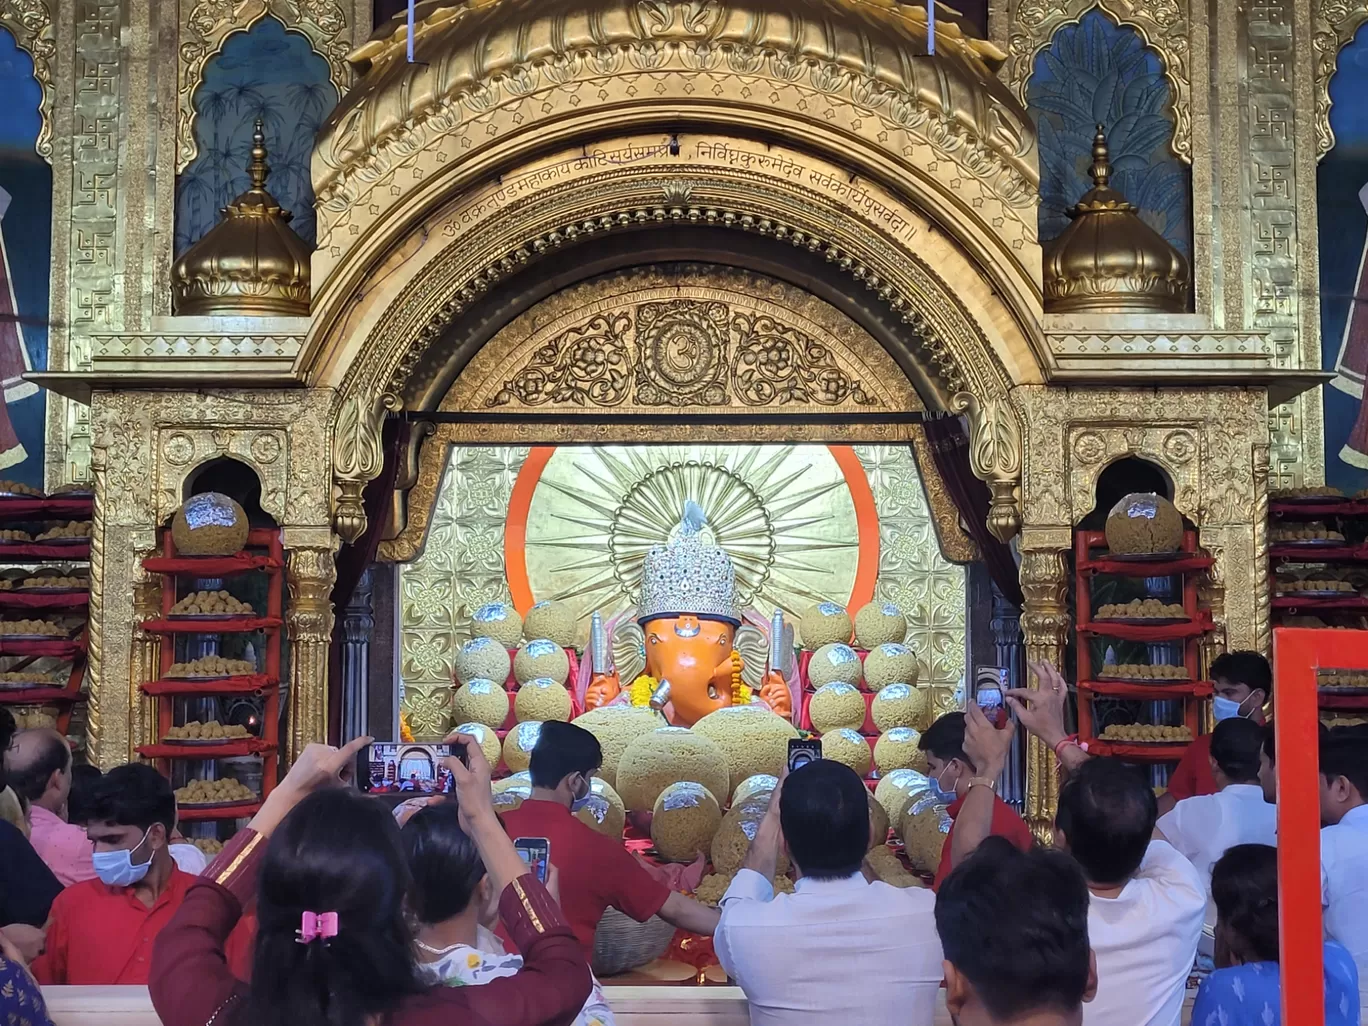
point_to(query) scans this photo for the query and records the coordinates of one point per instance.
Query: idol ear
(629, 651)
(753, 647)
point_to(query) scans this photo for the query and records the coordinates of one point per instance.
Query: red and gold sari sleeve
(235, 868)
(528, 911)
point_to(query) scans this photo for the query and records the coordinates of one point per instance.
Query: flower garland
(641, 689)
(405, 731)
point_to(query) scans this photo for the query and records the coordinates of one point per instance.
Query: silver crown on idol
(688, 576)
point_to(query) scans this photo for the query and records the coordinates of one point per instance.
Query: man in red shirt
(594, 871)
(101, 931)
(1244, 685)
(951, 772)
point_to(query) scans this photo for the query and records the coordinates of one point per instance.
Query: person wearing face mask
(101, 931)
(952, 774)
(1344, 846)
(1243, 684)
(595, 871)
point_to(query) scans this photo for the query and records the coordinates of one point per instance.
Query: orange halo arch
(520, 505)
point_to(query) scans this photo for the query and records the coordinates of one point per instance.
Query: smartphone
(801, 752)
(536, 852)
(990, 683)
(403, 767)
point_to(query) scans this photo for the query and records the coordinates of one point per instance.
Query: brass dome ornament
(1110, 261)
(250, 264)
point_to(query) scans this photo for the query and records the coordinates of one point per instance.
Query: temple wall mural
(25, 263)
(1343, 206)
(265, 73)
(1096, 72)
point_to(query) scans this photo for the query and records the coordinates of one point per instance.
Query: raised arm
(1041, 711)
(987, 748)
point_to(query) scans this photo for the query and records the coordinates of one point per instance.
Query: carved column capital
(310, 573)
(995, 456)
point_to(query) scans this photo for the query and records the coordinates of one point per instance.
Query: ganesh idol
(689, 652)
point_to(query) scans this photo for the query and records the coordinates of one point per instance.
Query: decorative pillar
(1006, 628)
(310, 574)
(96, 741)
(1045, 627)
(144, 657)
(358, 623)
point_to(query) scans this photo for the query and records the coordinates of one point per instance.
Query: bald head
(39, 766)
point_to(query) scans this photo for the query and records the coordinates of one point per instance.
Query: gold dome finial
(1108, 260)
(250, 264)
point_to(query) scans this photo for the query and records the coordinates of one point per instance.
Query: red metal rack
(166, 690)
(1351, 515)
(20, 655)
(1090, 561)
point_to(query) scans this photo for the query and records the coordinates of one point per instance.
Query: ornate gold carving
(1045, 628)
(357, 459)
(310, 575)
(209, 23)
(955, 543)
(852, 73)
(1162, 24)
(1110, 261)
(995, 456)
(160, 348)
(683, 336)
(1335, 24)
(30, 22)
(250, 264)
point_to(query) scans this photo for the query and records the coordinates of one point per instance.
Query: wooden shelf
(40, 552)
(38, 694)
(1155, 635)
(32, 598)
(1350, 603)
(22, 508)
(1331, 506)
(1135, 751)
(1343, 701)
(211, 566)
(220, 625)
(1157, 692)
(57, 648)
(256, 684)
(189, 813)
(231, 748)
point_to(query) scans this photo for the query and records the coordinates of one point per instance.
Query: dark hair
(337, 851)
(562, 749)
(1235, 745)
(1244, 886)
(824, 813)
(945, 738)
(133, 795)
(1347, 757)
(1270, 742)
(84, 779)
(1247, 668)
(7, 729)
(1107, 813)
(51, 755)
(1015, 923)
(446, 867)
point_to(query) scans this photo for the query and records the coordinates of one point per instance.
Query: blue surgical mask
(1224, 708)
(939, 792)
(583, 800)
(117, 869)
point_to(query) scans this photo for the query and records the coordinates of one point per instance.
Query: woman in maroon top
(333, 945)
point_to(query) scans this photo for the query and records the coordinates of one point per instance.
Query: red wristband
(1072, 739)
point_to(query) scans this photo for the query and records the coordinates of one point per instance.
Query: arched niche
(25, 249)
(234, 478)
(1100, 70)
(269, 72)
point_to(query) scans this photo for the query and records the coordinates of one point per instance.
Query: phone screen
(801, 752)
(536, 853)
(988, 695)
(404, 768)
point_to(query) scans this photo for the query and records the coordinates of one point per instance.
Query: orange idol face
(695, 657)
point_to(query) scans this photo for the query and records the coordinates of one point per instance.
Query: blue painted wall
(27, 232)
(1097, 72)
(268, 73)
(1343, 234)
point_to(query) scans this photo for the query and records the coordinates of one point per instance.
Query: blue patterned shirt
(1251, 994)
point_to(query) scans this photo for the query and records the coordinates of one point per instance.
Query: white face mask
(117, 869)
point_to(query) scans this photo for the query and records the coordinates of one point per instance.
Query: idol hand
(602, 690)
(775, 694)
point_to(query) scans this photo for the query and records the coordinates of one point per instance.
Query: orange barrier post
(1297, 654)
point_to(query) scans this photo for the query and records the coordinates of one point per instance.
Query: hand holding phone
(388, 767)
(990, 687)
(802, 751)
(536, 853)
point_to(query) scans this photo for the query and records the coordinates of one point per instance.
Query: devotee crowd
(333, 908)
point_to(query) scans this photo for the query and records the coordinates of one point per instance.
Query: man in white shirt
(840, 948)
(1344, 846)
(1205, 826)
(1148, 902)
